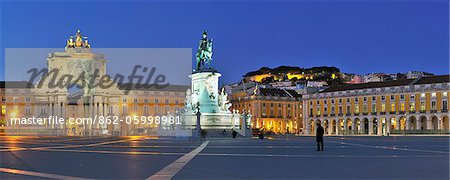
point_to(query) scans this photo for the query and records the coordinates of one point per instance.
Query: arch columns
(429, 123)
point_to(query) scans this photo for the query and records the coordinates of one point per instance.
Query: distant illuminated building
(273, 110)
(409, 106)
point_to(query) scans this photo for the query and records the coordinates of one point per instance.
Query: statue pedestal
(205, 86)
(205, 93)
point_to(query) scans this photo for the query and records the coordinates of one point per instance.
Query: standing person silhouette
(319, 137)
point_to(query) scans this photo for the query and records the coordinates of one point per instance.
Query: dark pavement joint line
(172, 169)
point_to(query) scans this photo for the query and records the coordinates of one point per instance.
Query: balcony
(325, 115)
(412, 112)
(332, 115)
(348, 114)
(433, 111)
(365, 113)
(340, 114)
(356, 114)
(382, 113)
(401, 112)
(391, 112)
(373, 113)
(423, 111)
(444, 110)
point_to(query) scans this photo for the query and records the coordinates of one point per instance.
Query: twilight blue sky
(355, 36)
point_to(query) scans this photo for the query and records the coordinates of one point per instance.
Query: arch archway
(392, 124)
(375, 126)
(366, 126)
(312, 127)
(434, 123)
(402, 125)
(341, 126)
(445, 123)
(326, 126)
(384, 126)
(349, 126)
(412, 123)
(423, 123)
(333, 126)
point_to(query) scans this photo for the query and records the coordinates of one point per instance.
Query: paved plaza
(225, 158)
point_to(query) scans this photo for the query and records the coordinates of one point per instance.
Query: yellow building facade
(412, 106)
(18, 100)
(272, 110)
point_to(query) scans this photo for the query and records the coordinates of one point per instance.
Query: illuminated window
(3, 109)
(28, 110)
(145, 110)
(318, 110)
(412, 107)
(422, 106)
(433, 94)
(422, 95)
(402, 107)
(365, 108)
(383, 107)
(444, 94)
(433, 105)
(357, 109)
(392, 107)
